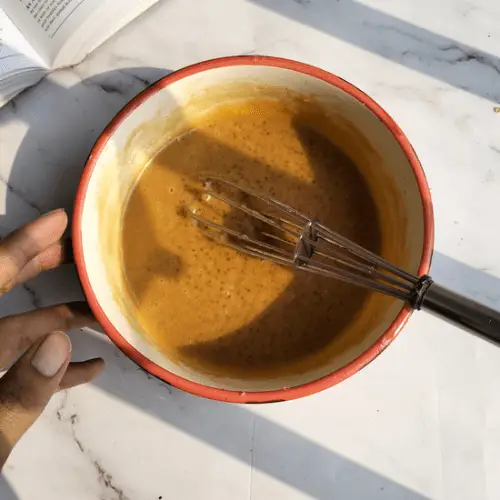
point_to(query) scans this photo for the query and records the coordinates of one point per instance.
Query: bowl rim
(259, 396)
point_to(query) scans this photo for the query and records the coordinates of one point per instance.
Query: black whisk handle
(467, 313)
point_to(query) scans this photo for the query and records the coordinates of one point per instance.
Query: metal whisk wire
(340, 258)
(293, 239)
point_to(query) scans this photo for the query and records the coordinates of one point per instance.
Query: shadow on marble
(475, 283)
(6, 492)
(445, 59)
(53, 152)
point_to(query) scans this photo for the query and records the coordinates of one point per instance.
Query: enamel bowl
(370, 138)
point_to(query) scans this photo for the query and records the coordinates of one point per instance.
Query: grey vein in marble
(35, 300)
(19, 194)
(158, 381)
(104, 477)
(113, 85)
(459, 54)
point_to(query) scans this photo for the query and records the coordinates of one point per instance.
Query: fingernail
(53, 212)
(52, 354)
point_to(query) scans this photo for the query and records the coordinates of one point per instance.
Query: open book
(37, 36)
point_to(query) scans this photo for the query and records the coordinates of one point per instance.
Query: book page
(65, 31)
(20, 65)
(16, 54)
(47, 24)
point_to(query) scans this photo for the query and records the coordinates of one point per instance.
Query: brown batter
(214, 309)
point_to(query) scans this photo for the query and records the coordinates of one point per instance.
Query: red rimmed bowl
(368, 136)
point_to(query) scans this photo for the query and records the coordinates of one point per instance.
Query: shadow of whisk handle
(464, 312)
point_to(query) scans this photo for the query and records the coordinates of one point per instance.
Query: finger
(24, 244)
(27, 387)
(19, 332)
(48, 259)
(81, 373)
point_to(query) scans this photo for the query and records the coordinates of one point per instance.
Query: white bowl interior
(145, 131)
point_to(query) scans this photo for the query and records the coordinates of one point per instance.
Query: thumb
(28, 386)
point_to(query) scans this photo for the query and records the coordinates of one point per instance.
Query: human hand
(35, 339)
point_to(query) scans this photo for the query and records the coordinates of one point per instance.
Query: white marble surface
(423, 420)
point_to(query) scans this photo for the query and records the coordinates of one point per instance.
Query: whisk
(279, 233)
